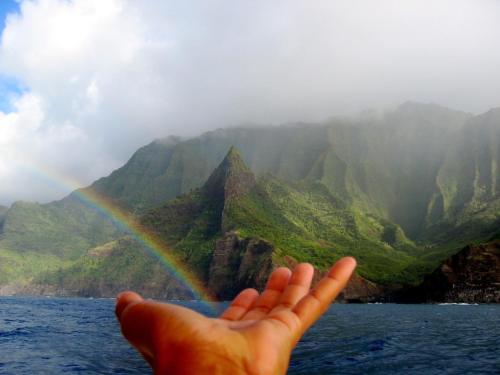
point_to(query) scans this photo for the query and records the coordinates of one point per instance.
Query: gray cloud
(106, 76)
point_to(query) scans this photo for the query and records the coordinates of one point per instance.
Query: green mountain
(466, 201)
(36, 237)
(107, 270)
(234, 229)
(401, 190)
(404, 166)
(385, 164)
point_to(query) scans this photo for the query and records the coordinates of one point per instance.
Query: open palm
(255, 335)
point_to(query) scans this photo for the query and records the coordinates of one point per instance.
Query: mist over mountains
(400, 190)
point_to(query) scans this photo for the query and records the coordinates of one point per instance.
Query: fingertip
(279, 278)
(302, 270)
(304, 266)
(283, 270)
(123, 300)
(349, 261)
(344, 267)
(128, 296)
(283, 273)
(250, 293)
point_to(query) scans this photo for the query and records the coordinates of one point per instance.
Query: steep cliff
(472, 275)
(238, 264)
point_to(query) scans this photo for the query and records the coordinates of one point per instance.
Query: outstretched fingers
(314, 304)
(271, 295)
(240, 305)
(297, 288)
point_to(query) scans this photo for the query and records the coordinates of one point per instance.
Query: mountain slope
(36, 238)
(236, 228)
(402, 190)
(415, 166)
(465, 206)
(386, 165)
(304, 221)
(65, 228)
(167, 168)
(107, 270)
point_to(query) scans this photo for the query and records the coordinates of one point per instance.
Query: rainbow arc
(130, 225)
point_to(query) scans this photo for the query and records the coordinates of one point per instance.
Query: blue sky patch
(8, 87)
(6, 7)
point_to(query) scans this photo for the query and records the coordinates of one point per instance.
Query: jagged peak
(231, 178)
(233, 153)
(233, 161)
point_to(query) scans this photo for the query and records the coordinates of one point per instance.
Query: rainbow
(130, 225)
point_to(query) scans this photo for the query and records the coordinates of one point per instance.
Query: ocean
(73, 335)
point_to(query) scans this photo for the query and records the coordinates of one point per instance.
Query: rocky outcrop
(238, 264)
(231, 180)
(360, 290)
(472, 276)
(232, 177)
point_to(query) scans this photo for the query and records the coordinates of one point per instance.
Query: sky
(84, 83)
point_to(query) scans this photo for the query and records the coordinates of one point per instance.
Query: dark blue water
(61, 336)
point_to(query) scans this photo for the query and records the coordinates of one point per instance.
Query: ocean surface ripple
(70, 335)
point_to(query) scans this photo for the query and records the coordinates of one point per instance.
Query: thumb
(125, 299)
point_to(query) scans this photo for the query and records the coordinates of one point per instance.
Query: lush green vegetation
(66, 229)
(108, 269)
(400, 191)
(22, 267)
(309, 224)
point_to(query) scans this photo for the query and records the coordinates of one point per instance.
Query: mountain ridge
(421, 185)
(234, 230)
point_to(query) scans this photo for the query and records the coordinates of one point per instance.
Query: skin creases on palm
(255, 335)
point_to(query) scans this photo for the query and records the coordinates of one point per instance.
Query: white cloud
(104, 77)
(29, 147)
(82, 116)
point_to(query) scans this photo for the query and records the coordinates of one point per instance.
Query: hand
(255, 335)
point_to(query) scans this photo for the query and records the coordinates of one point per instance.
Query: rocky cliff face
(246, 263)
(472, 276)
(239, 263)
(360, 290)
(231, 180)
